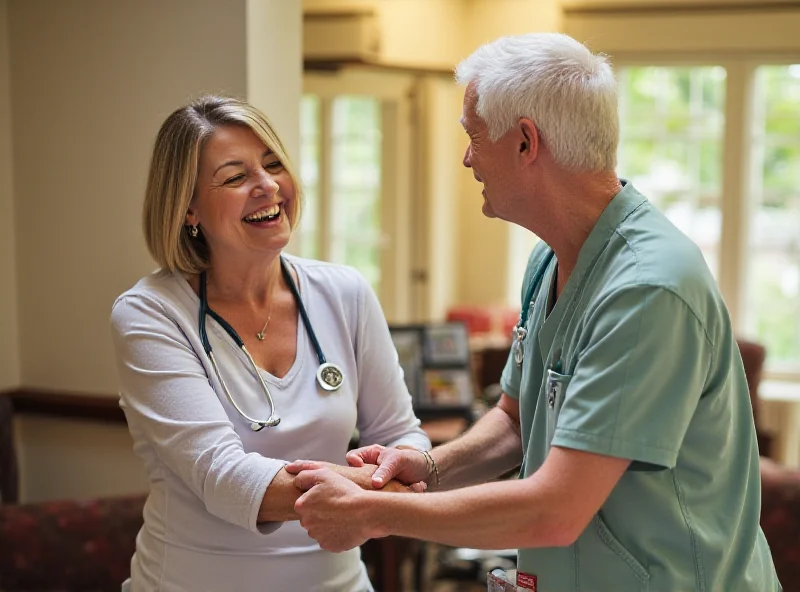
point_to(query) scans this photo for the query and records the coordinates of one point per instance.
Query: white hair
(569, 93)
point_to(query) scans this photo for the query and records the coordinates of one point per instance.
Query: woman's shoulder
(333, 277)
(160, 288)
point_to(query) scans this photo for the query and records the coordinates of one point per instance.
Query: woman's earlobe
(190, 219)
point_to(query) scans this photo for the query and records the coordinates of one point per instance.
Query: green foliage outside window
(774, 278)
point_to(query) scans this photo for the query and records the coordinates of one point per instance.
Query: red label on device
(526, 581)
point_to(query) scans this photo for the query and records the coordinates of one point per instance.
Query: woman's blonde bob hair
(173, 177)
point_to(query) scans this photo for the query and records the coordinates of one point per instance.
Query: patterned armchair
(780, 486)
(68, 545)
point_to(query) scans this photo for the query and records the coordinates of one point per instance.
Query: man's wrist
(433, 469)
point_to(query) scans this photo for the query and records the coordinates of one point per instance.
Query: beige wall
(106, 75)
(9, 337)
(72, 459)
(489, 19)
(442, 141)
(275, 65)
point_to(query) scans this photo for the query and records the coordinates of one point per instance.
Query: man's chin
(488, 211)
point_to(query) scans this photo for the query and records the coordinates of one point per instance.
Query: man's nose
(467, 155)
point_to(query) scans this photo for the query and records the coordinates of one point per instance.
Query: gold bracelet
(431, 464)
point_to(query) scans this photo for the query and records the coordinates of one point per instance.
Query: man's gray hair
(569, 93)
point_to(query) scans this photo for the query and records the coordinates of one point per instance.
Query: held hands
(362, 475)
(335, 507)
(407, 465)
(333, 510)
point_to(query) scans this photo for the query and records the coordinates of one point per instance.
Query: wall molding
(337, 64)
(102, 408)
(662, 8)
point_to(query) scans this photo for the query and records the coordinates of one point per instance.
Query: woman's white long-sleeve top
(208, 470)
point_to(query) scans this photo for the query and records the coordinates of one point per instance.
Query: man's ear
(529, 146)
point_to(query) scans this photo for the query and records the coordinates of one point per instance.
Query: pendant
(329, 376)
(260, 336)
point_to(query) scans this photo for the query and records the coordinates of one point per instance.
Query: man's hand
(333, 510)
(407, 465)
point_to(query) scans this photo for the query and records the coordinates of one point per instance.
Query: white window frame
(395, 91)
(737, 169)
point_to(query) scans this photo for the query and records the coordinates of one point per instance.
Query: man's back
(637, 360)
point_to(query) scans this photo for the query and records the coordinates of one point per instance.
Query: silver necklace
(261, 333)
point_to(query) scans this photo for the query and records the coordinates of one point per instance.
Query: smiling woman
(230, 330)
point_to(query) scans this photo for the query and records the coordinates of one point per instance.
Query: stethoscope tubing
(273, 419)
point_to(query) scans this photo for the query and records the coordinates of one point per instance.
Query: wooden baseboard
(63, 404)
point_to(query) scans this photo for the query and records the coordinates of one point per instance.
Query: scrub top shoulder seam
(645, 283)
(608, 297)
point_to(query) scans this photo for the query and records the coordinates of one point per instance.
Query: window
(671, 128)
(672, 143)
(356, 185)
(346, 228)
(358, 131)
(773, 279)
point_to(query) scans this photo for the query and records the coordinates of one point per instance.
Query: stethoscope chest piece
(330, 376)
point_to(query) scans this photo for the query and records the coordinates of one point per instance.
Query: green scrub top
(644, 366)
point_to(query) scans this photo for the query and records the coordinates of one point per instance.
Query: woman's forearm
(278, 502)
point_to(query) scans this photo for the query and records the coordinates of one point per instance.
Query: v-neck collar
(301, 335)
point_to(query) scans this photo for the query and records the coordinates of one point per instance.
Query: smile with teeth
(264, 215)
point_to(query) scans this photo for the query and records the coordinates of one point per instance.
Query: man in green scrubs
(625, 400)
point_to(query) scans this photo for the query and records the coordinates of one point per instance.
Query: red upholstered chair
(68, 545)
(477, 319)
(753, 357)
(780, 486)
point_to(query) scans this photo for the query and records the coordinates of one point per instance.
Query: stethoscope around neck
(329, 376)
(520, 332)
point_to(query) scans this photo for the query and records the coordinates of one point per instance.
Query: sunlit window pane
(356, 180)
(672, 123)
(773, 286)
